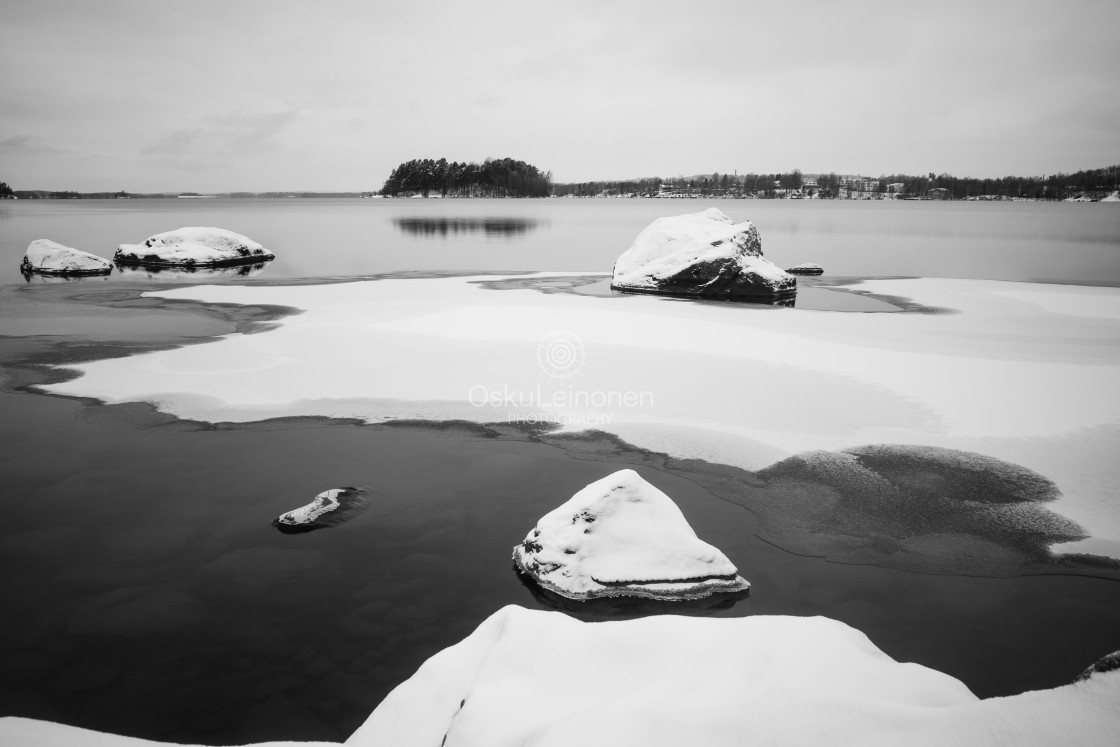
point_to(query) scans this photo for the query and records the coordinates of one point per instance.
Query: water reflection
(189, 273)
(788, 300)
(37, 277)
(629, 608)
(442, 227)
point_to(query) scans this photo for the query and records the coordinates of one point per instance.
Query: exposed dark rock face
(1107, 663)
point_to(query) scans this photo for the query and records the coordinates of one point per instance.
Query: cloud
(28, 145)
(221, 138)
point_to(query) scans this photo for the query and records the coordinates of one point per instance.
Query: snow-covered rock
(50, 258)
(806, 268)
(621, 536)
(546, 679)
(193, 247)
(1112, 197)
(326, 509)
(543, 678)
(701, 254)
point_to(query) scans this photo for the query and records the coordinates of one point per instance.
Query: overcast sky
(332, 94)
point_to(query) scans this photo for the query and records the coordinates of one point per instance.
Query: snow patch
(1012, 375)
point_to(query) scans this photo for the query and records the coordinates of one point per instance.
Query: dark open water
(146, 593)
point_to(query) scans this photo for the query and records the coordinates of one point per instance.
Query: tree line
(506, 177)
(495, 177)
(1098, 182)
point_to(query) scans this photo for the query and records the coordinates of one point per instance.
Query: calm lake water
(146, 593)
(326, 237)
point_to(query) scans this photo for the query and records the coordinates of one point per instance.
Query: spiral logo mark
(560, 354)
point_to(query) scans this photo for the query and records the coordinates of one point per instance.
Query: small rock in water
(47, 257)
(329, 508)
(806, 268)
(621, 536)
(193, 247)
(702, 254)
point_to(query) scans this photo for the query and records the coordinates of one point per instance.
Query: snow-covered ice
(1022, 372)
(51, 258)
(193, 246)
(702, 254)
(621, 536)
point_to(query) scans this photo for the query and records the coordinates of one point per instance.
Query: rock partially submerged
(1107, 663)
(806, 268)
(329, 508)
(194, 247)
(47, 257)
(621, 536)
(701, 254)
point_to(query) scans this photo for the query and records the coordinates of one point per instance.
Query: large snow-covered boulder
(47, 257)
(701, 254)
(543, 678)
(621, 536)
(194, 247)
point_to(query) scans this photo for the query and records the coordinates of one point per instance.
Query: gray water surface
(1054, 242)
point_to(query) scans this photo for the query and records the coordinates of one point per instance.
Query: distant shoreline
(865, 197)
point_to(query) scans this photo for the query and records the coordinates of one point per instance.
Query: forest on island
(495, 177)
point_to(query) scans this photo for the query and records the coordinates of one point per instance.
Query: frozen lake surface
(147, 593)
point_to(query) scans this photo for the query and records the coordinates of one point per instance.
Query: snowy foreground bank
(1020, 372)
(542, 678)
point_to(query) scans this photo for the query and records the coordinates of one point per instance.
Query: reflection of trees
(198, 273)
(444, 226)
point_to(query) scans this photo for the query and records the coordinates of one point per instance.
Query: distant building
(939, 193)
(896, 189)
(856, 183)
